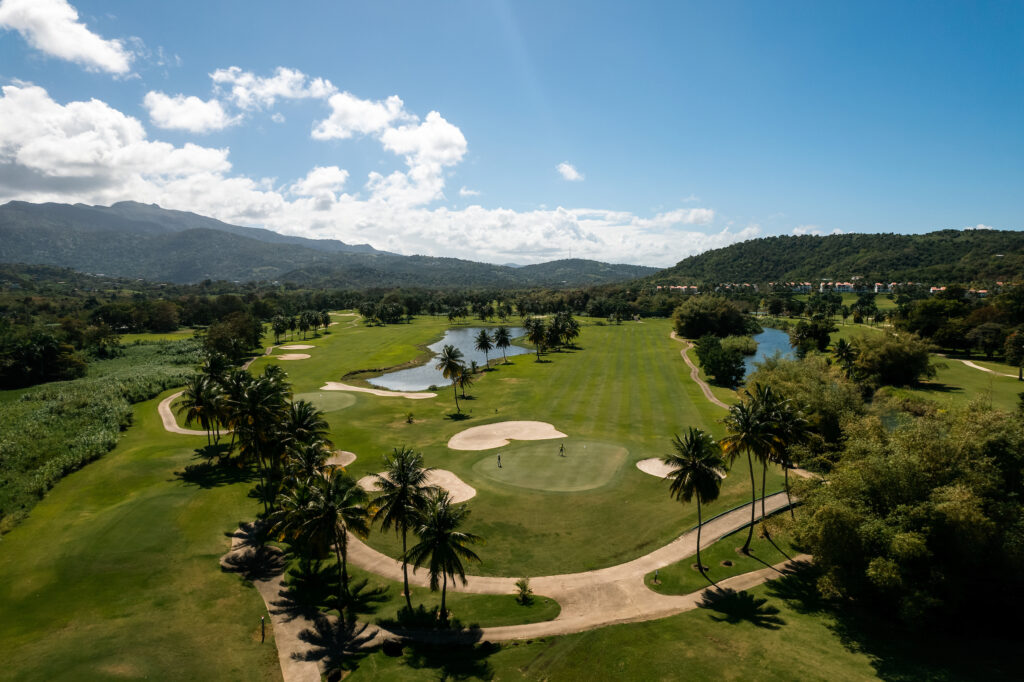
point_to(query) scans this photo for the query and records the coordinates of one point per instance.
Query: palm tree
(845, 353)
(748, 434)
(465, 380)
(258, 414)
(304, 424)
(791, 428)
(697, 470)
(536, 333)
(770, 407)
(337, 507)
(402, 493)
(502, 340)
(449, 362)
(442, 545)
(280, 325)
(198, 403)
(484, 343)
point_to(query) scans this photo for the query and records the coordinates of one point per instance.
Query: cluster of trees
(887, 361)
(711, 314)
(310, 504)
(304, 322)
(763, 427)
(925, 520)
(451, 365)
(811, 335)
(722, 362)
(952, 320)
(561, 331)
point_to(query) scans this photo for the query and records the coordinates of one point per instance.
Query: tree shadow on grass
(737, 607)
(900, 652)
(312, 587)
(456, 660)
(210, 475)
(252, 559)
(337, 643)
(458, 416)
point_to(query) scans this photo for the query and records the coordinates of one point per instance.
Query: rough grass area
(50, 430)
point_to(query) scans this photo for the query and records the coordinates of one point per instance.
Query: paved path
(170, 423)
(695, 373)
(986, 369)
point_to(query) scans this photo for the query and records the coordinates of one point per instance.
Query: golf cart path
(588, 600)
(695, 373)
(986, 369)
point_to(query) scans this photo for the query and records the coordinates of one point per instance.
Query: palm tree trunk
(753, 504)
(764, 479)
(342, 578)
(444, 592)
(455, 390)
(700, 523)
(405, 569)
(504, 358)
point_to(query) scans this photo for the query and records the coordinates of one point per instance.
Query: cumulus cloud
(53, 27)
(249, 91)
(815, 230)
(351, 115)
(980, 226)
(89, 152)
(466, 192)
(569, 172)
(186, 113)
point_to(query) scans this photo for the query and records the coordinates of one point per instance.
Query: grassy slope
(629, 387)
(115, 574)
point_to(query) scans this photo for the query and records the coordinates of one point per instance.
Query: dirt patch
(442, 478)
(496, 435)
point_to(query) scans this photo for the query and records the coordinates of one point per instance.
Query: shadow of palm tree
(736, 607)
(338, 643)
(453, 661)
(209, 475)
(250, 557)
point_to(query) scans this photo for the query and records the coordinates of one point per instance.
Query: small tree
(525, 595)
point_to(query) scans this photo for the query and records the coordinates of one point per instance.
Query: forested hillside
(944, 256)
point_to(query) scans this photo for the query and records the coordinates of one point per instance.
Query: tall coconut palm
(304, 424)
(337, 508)
(402, 490)
(697, 470)
(791, 428)
(771, 409)
(442, 546)
(449, 362)
(280, 325)
(258, 415)
(536, 332)
(502, 340)
(484, 343)
(465, 380)
(845, 353)
(197, 403)
(748, 434)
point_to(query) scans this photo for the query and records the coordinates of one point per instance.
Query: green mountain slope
(143, 241)
(943, 256)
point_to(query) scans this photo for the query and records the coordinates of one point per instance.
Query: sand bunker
(459, 489)
(293, 356)
(340, 458)
(297, 346)
(338, 386)
(655, 467)
(496, 435)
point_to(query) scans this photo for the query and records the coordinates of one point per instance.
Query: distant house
(935, 290)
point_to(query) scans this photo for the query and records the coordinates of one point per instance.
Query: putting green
(538, 466)
(328, 401)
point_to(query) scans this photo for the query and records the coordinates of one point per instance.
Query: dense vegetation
(49, 431)
(943, 256)
(134, 240)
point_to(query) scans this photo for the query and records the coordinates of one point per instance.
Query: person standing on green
(561, 450)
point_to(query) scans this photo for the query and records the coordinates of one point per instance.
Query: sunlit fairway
(623, 394)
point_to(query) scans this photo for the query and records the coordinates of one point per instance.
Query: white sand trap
(459, 489)
(655, 467)
(293, 356)
(346, 314)
(340, 458)
(338, 386)
(332, 324)
(496, 435)
(297, 346)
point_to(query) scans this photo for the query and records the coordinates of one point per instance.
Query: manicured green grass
(537, 465)
(726, 395)
(957, 384)
(627, 387)
(115, 573)
(682, 578)
(327, 401)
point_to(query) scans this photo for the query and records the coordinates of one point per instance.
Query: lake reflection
(423, 377)
(769, 342)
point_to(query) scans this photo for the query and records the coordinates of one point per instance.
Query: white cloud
(569, 172)
(351, 115)
(466, 192)
(277, 117)
(815, 230)
(980, 226)
(52, 26)
(249, 91)
(186, 113)
(89, 152)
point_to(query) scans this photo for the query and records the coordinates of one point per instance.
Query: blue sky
(523, 131)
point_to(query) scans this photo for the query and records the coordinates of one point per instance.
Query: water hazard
(769, 342)
(423, 377)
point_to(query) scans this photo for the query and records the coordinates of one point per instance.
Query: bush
(525, 595)
(893, 361)
(744, 344)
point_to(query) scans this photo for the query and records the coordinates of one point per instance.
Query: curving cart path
(695, 373)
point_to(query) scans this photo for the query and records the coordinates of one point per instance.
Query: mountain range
(129, 239)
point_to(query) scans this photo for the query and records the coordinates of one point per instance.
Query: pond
(424, 376)
(769, 342)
